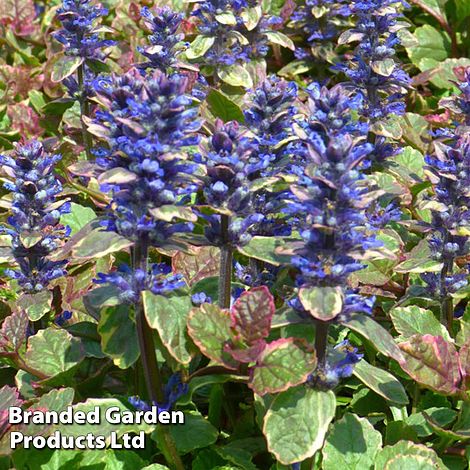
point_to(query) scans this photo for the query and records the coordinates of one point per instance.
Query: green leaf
(323, 303)
(264, 249)
(433, 362)
(381, 382)
(196, 433)
(419, 260)
(170, 212)
(105, 428)
(408, 455)
(436, 6)
(235, 75)
(224, 108)
(443, 75)
(251, 17)
(199, 47)
(36, 98)
(64, 66)
(377, 335)
(412, 320)
(432, 47)
(408, 165)
(78, 217)
(53, 351)
(36, 305)
(169, 316)
(282, 364)
(462, 9)
(209, 328)
(352, 444)
(119, 336)
(296, 423)
(383, 67)
(227, 18)
(55, 400)
(443, 416)
(276, 37)
(98, 244)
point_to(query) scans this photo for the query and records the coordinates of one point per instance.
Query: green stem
(153, 378)
(84, 111)
(226, 256)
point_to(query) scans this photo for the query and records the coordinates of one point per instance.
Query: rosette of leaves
(231, 34)
(238, 340)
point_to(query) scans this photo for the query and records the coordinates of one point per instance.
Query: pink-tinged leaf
(433, 362)
(19, 16)
(464, 356)
(209, 328)
(194, 268)
(247, 354)
(13, 332)
(24, 120)
(19, 80)
(252, 314)
(283, 364)
(9, 396)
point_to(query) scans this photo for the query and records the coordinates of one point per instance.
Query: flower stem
(153, 378)
(321, 342)
(226, 255)
(84, 111)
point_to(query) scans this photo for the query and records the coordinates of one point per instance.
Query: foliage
(253, 212)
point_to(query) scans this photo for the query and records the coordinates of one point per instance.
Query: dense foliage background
(256, 212)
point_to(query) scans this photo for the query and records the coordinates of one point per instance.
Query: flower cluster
(234, 36)
(130, 284)
(373, 71)
(166, 41)
(449, 168)
(339, 364)
(148, 122)
(269, 116)
(319, 20)
(35, 227)
(231, 161)
(80, 36)
(173, 390)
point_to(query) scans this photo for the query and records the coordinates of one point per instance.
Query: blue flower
(34, 225)
(80, 35)
(199, 298)
(339, 365)
(149, 123)
(159, 280)
(373, 70)
(173, 390)
(166, 41)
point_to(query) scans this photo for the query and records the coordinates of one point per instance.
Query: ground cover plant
(253, 212)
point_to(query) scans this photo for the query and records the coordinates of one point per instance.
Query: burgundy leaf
(246, 355)
(252, 314)
(464, 356)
